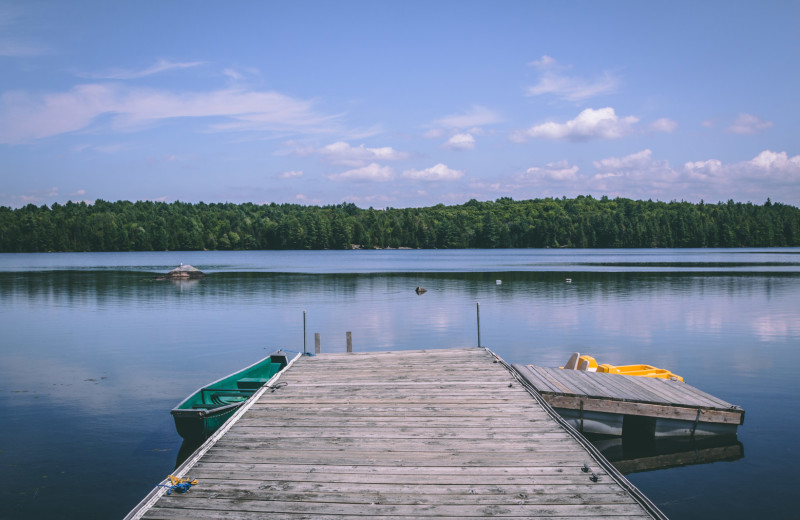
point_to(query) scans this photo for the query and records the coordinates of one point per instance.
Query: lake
(94, 351)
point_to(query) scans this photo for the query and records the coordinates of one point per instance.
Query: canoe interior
(205, 410)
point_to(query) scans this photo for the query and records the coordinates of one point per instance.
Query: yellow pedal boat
(589, 364)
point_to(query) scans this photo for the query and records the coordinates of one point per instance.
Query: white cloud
(636, 161)
(295, 148)
(344, 154)
(638, 176)
(748, 124)
(703, 170)
(304, 199)
(433, 133)
(769, 174)
(369, 199)
(159, 66)
(663, 125)
(460, 142)
(36, 197)
(779, 164)
(475, 116)
(239, 74)
(439, 172)
(557, 171)
(291, 174)
(25, 117)
(554, 81)
(641, 175)
(590, 124)
(371, 173)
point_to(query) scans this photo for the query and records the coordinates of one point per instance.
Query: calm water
(94, 352)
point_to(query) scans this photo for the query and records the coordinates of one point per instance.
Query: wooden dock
(410, 434)
(603, 403)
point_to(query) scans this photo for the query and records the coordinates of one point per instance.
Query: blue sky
(398, 103)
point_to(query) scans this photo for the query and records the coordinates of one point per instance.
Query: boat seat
(250, 383)
(572, 363)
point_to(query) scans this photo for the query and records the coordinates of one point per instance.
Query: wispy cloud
(634, 162)
(663, 125)
(25, 117)
(553, 171)
(370, 173)
(14, 43)
(476, 116)
(294, 174)
(554, 80)
(460, 142)
(159, 66)
(106, 149)
(439, 172)
(463, 127)
(11, 48)
(344, 154)
(590, 124)
(748, 124)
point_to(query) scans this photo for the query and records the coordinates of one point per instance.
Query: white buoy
(569, 280)
(499, 282)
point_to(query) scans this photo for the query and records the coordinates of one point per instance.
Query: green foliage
(580, 222)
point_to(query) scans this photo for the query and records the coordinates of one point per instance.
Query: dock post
(479, 323)
(317, 348)
(349, 341)
(304, 332)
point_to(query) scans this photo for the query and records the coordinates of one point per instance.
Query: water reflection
(188, 447)
(101, 356)
(389, 261)
(71, 286)
(639, 454)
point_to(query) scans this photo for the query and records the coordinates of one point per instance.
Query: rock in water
(185, 272)
(420, 289)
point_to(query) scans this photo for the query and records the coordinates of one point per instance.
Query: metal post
(479, 323)
(349, 341)
(304, 332)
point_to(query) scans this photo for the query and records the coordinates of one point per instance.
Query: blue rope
(180, 488)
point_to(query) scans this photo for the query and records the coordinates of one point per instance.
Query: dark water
(94, 352)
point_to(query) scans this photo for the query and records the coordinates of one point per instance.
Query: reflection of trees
(583, 222)
(73, 287)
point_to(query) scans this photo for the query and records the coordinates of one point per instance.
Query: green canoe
(205, 410)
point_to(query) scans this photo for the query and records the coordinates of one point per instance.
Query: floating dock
(410, 434)
(613, 404)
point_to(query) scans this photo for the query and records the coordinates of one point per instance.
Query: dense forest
(579, 222)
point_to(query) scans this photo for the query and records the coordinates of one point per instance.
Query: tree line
(582, 222)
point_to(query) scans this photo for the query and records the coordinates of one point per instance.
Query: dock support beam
(317, 347)
(349, 341)
(479, 323)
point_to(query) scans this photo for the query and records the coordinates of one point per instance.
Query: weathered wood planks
(413, 434)
(629, 395)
